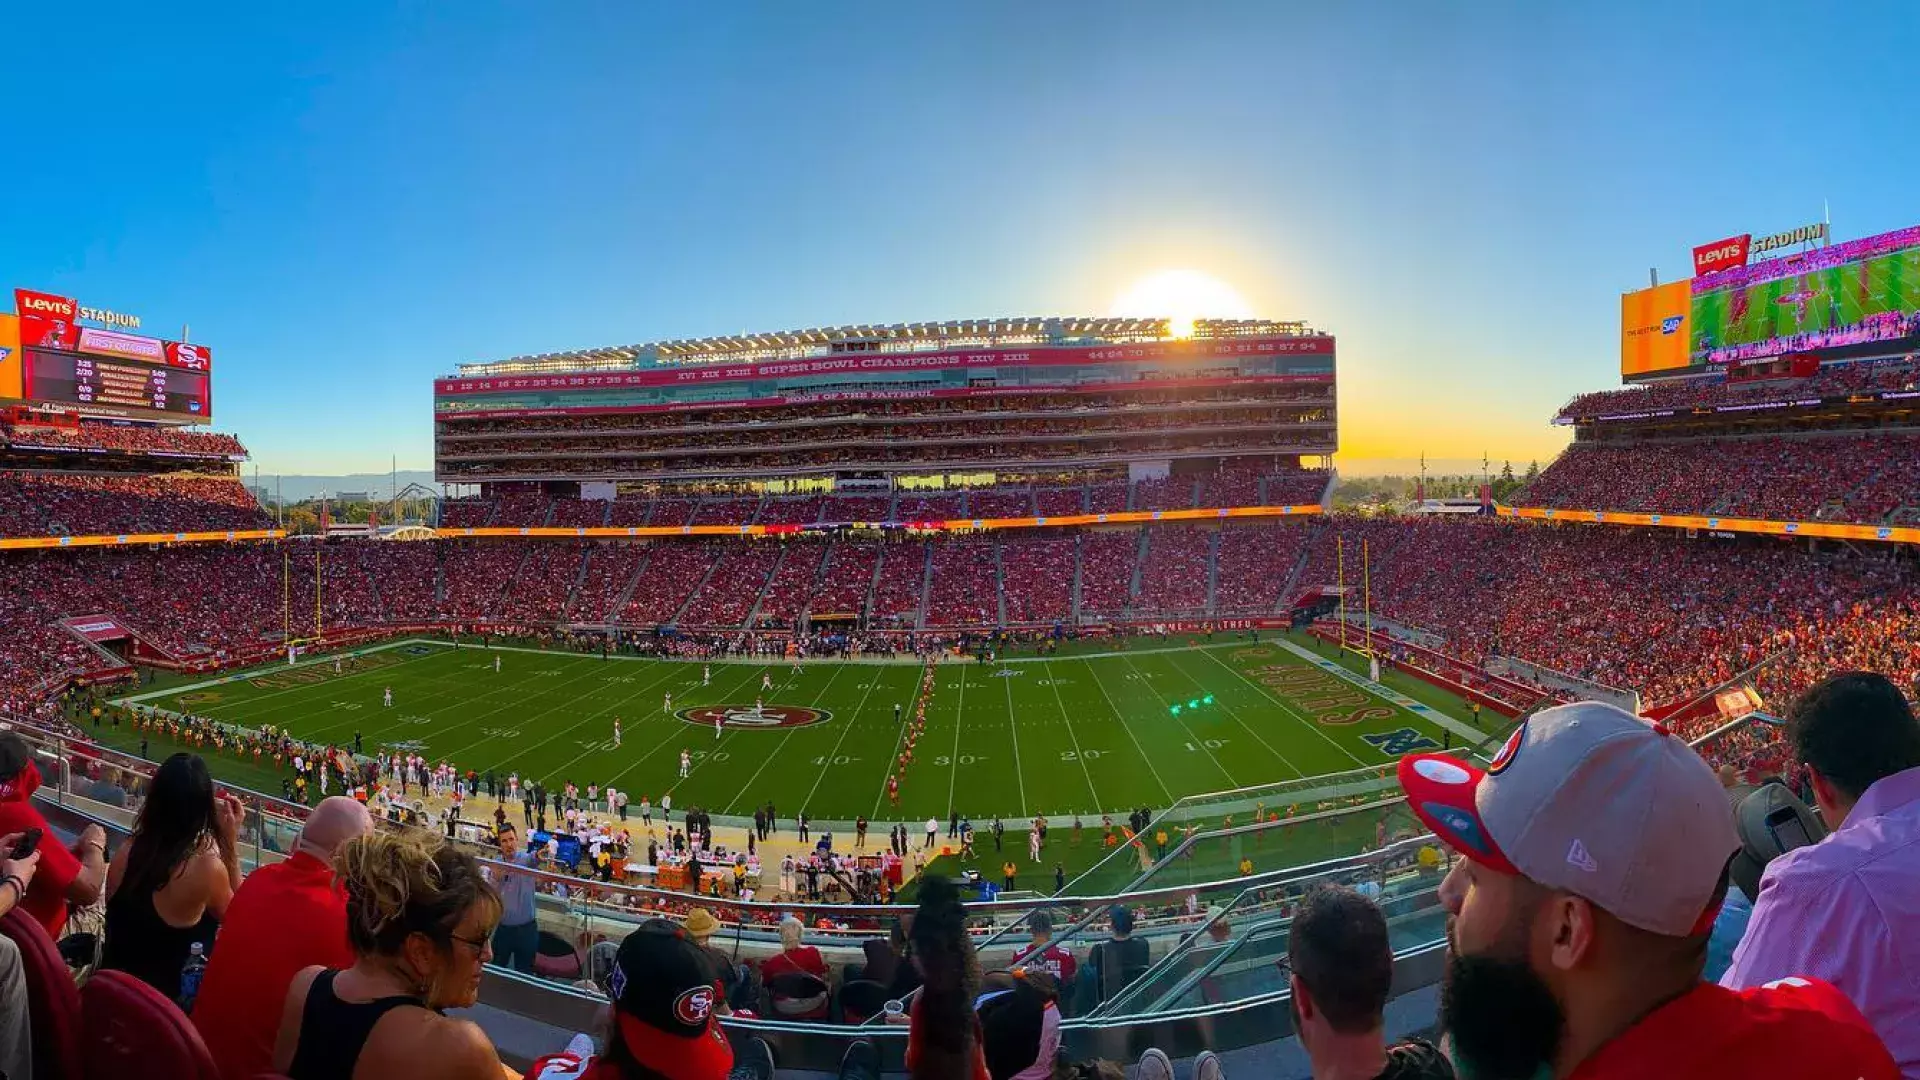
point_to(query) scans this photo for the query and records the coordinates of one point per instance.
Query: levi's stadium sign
(1736, 250)
(63, 309)
(1721, 254)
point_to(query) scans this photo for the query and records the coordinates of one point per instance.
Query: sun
(1182, 296)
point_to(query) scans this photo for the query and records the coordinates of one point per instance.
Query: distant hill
(379, 485)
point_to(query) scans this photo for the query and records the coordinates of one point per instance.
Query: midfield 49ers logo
(747, 716)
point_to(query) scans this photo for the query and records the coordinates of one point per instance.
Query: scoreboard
(115, 386)
(48, 356)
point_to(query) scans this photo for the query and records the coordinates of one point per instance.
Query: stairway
(1213, 570)
(704, 578)
(1079, 544)
(999, 583)
(1139, 568)
(579, 579)
(753, 613)
(926, 587)
(612, 614)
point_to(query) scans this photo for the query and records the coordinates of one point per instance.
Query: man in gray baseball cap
(1596, 850)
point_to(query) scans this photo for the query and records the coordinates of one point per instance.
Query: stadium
(1064, 606)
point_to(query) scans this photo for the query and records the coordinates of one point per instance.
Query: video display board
(115, 386)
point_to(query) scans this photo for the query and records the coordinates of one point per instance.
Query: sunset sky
(345, 200)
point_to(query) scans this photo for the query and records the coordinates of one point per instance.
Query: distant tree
(1533, 471)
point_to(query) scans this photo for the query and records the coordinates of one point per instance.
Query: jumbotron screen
(1862, 291)
(115, 386)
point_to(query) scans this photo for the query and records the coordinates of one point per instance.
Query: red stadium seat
(133, 1031)
(52, 1000)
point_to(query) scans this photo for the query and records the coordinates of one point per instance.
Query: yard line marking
(772, 757)
(1061, 702)
(953, 763)
(837, 743)
(1135, 739)
(1198, 740)
(1231, 711)
(898, 738)
(648, 722)
(342, 677)
(527, 722)
(271, 668)
(1311, 725)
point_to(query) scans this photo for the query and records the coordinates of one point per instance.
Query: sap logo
(1671, 325)
(4, 353)
(1402, 742)
(1883, 534)
(193, 406)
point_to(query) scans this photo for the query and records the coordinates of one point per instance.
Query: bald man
(285, 917)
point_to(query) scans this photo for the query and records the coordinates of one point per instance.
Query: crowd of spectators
(1713, 391)
(138, 439)
(1646, 610)
(1107, 561)
(1852, 478)
(988, 451)
(1177, 570)
(81, 504)
(965, 587)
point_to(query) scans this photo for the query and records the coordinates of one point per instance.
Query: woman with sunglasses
(420, 917)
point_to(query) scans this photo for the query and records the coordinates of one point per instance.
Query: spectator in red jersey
(1045, 956)
(286, 916)
(62, 876)
(1596, 849)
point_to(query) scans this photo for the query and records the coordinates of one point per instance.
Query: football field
(1090, 734)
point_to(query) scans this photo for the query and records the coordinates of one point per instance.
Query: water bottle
(190, 976)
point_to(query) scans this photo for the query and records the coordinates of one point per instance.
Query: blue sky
(345, 200)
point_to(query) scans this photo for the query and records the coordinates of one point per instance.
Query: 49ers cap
(1590, 799)
(663, 992)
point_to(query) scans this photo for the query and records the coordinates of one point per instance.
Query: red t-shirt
(1799, 1028)
(805, 958)
(46, 898)
(979, 1071)
(1055, 961)
(285, 917)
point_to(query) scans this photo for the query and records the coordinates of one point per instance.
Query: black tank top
(333, 1032)
(145, 946)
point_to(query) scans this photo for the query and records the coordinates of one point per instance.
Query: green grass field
(1083, 735)
(1834, 297)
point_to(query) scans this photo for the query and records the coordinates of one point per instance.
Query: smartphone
(25, 846)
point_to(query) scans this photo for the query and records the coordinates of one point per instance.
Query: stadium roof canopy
(896, 337)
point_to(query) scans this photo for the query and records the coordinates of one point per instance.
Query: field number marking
(837, 759)
(1211, 744)
(1082, 755)
(965, 759)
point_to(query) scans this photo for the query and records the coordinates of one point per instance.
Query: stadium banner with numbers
(872, 363)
